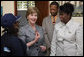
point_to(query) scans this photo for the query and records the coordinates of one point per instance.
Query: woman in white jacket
(68, 34)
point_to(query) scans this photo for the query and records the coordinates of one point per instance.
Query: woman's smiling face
(32, 18)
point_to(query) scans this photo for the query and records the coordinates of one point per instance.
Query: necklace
(53, 19)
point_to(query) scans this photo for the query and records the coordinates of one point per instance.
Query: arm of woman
(35, 40)
(79, 41)
(43, 42)
(53, 45)
(43, 46)
(31, 43)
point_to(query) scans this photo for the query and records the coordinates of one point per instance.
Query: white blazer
(67, 39)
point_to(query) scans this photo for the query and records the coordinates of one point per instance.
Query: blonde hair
(31, 10)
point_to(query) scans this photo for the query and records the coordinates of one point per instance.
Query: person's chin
(52, 14)
(61, 20)
(33, 22)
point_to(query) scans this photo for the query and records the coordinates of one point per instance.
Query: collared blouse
(67, 39)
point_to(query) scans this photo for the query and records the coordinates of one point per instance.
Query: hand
(35, 40)
(37, 36)
(43, 48)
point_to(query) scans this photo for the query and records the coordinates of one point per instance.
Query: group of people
(59, 35)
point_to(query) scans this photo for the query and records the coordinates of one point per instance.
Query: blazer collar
(31, 29)
(69, 23)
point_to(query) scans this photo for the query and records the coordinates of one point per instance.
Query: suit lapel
(58, 19)
(30, 29)
(50, 21)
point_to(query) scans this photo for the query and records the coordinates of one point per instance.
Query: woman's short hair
(67, 8)
(31, 10)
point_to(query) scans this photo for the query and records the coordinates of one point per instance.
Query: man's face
(53, 10)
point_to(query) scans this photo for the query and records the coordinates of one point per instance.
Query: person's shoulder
(58, 25)
(76, 23)
(46, 18)
(13, 37)
(23, 27)
(40, 27)
(9, 38)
